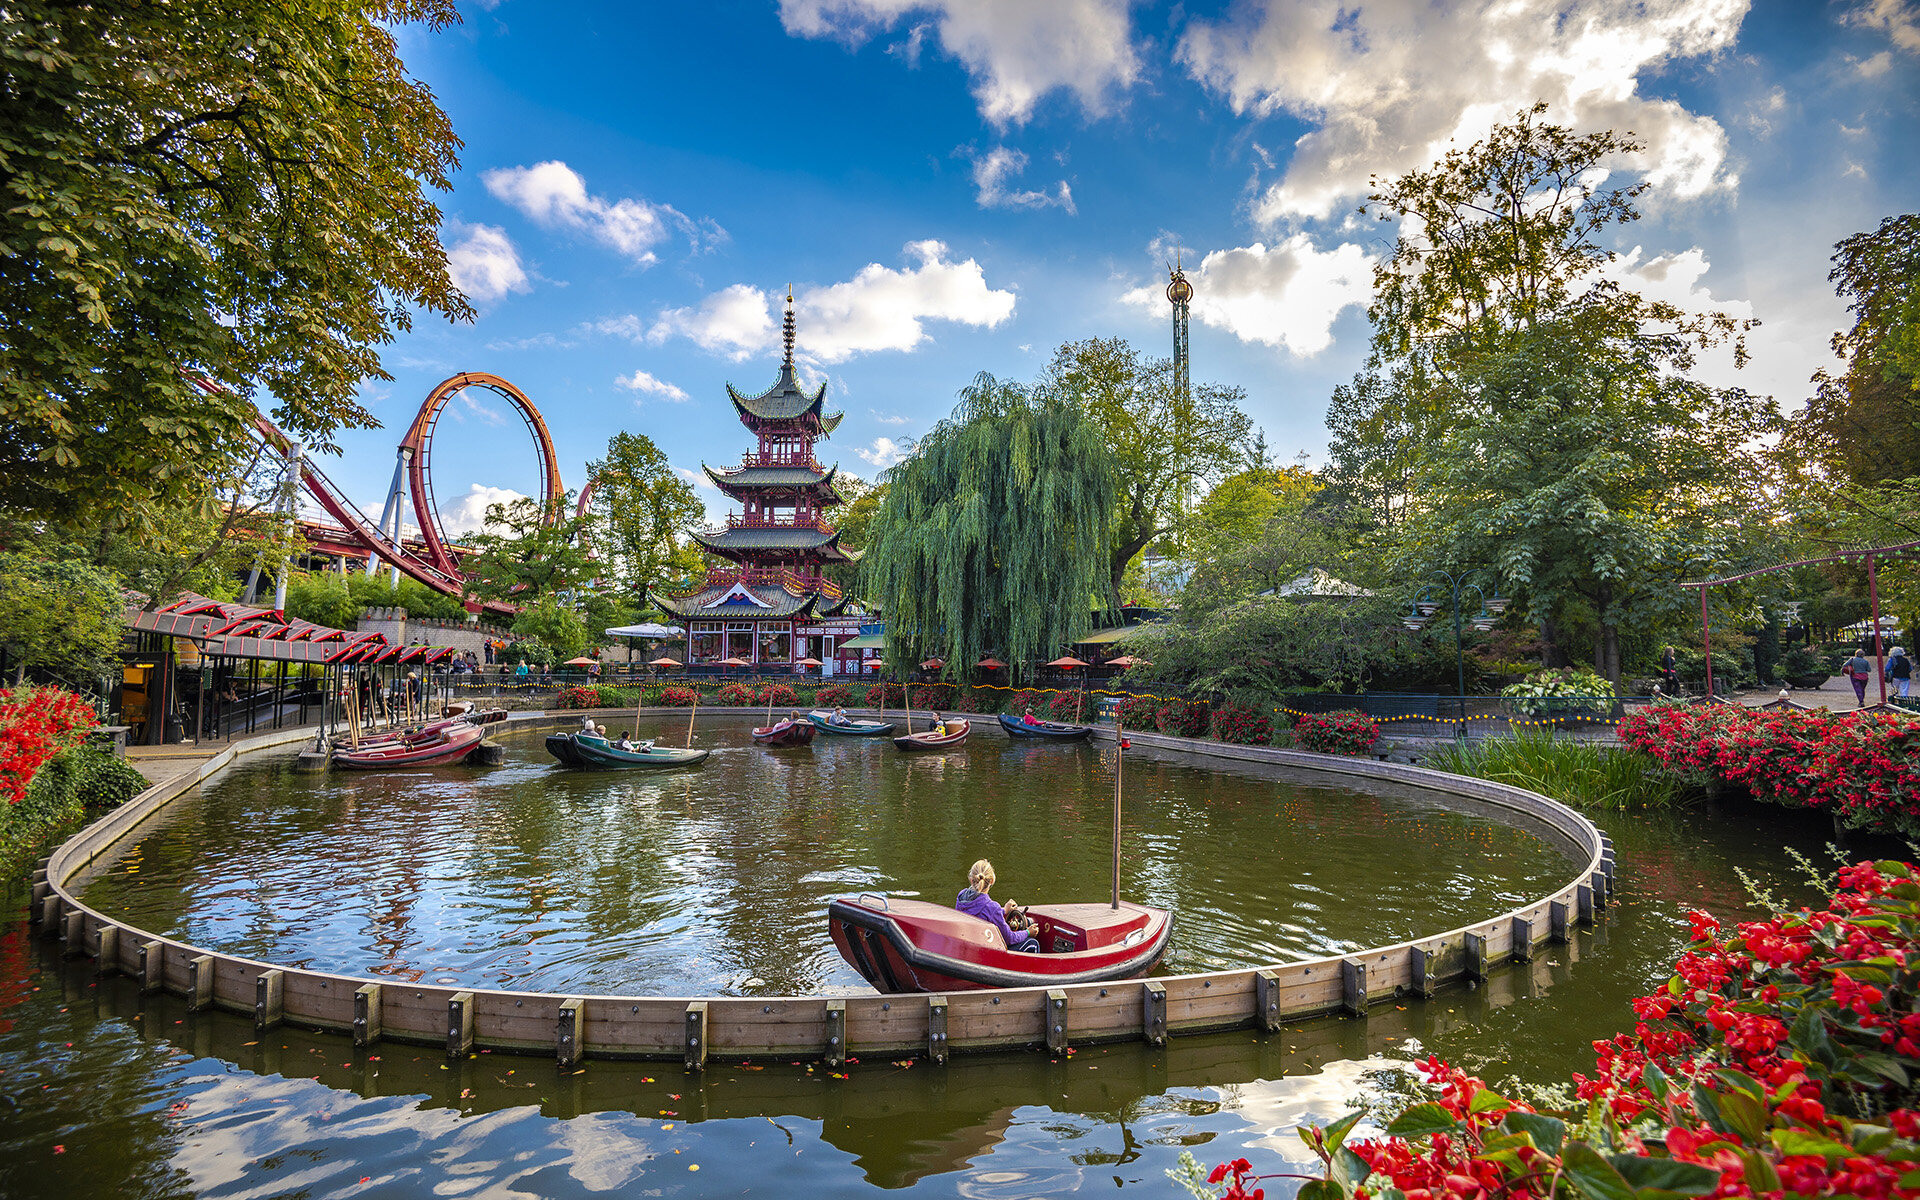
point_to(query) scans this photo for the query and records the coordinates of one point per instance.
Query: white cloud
(884, 452)
(1286, 296)
(641, 381)
(992, 170)
(884, 419)
(1389, 85)
(483, 262)
(880, 308)
(468, 514)
(1899, 19)
(538, 341)
(554, 195)
(1016, 51)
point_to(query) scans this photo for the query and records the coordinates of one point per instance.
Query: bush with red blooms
(35, 724)
(1242, 724)
(679, 697)
(1074, 705)
(777, 694)
(1342, 732)
(1018, 702)
(1779, 1061)
(834, 695)
(936, 695)
(1138, 712)
(1865, 766)
(579, 697)
(738, 695)
(1183, 718)
(880, 693)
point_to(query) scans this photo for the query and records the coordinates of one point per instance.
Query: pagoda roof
(747, 539)
(786, 401)
(756, 478)
(728, 600)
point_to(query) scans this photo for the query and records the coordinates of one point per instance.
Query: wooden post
(1476, 947)
(1583, 903)
(41, 890)
(836, 1052)
(367, 1025)
(1119, 759)
(1057, 1021)
(50, 915)
(1420, 967)
(691, 710)
(696, 1036)
(1266, 1000)
(937, 1029)
(1599, 882)
(152, 969)
(1557, 921)
(106, 950)
(1522, 939)
(1153, 1011)
(199, 982)
(570, 1043)
(269, 994)
(459, 1024)
(75, 934)
(1353, 986)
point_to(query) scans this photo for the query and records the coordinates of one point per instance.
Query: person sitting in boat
(839, 717)
(624, 743)
(940, 731)
(974, 901)
(1027, 717)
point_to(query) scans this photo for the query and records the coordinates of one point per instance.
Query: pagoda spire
(786, 331)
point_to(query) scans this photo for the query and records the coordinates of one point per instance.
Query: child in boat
(940, 730)
(1027, 717)
(974, 901)
(624, 743)
(839, 717)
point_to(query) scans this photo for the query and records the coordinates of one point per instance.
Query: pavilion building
(769, 603)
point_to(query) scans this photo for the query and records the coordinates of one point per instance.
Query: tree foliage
(65, 617)
(993, 536)
(227, 191)
(643, 512)
(530, 551)
(555, 627)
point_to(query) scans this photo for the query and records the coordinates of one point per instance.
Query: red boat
(784, 733)
(955, 734)
(913, 946)
(424, 749)
(432, 728)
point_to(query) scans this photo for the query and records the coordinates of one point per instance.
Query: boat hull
(913, 946)
(821, 722)
(593, 754)
(441, 748)
(956, 733)
(784, 733)
(1046, 731)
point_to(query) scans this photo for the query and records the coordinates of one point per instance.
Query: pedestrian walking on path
(1859, 670)
(1900, 671)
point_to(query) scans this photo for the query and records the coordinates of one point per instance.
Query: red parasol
(582, 661)
(735, 662)
(990, 663)
(806, 662)
(932, 664)
(1125, 661)
(663, 661)
(1067, 660)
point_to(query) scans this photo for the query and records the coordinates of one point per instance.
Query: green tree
(323, 598)
(555, 626)
(221, 192)
(1165, 446)
(1241, 508)
(63, 617)
(643, 513)
(543, 551)
(855, 522)
(993, 536)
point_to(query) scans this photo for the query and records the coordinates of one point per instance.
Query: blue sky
(960, 186)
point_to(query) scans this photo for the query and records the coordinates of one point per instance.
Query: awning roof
(866, 641)
(1106, 636)
(230, 630)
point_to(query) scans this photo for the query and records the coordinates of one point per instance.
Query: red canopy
(932, 664)
(582, 661)
(735, 662)
(663, 661)
(990, 663)
(1125, 661)
(1066, 660)
(806, 662)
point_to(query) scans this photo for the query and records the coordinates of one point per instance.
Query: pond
(104, 1093)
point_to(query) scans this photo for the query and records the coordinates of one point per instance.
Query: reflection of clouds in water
(605, 1155)
(1281, 1106)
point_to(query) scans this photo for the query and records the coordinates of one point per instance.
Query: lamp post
(1423, 610)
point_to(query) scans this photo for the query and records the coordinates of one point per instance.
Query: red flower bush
(679, 697)
(834, 695)
(780, 695)
(1242, 724)
(1138, 712)
(579, 697)
(1865, 766)
(36, 724)
(1183, 718)
(936, 695)
(1778, 1062)
(738, 695)
(1070, 706)
(878, 694)
(1343, 732)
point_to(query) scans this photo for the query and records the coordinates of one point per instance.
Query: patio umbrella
(806, 662)
(735, 662)
(1125, 661)
(663, 661)
(932, 664)
(1067, 661)
(582, 661)
(990, 663)
(650, 629)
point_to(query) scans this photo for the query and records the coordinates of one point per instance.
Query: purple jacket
(978, 904)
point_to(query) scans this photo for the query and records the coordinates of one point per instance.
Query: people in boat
(839, 717)
(940, 730)
(1027, 717)
(624, 743)
(975, 901)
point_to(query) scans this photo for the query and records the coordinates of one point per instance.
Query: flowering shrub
(1184, 718)
(1138, 712)
(778, 694)
(1241, 723)
(1865, 766)
(937, 695)
(1558, 693)
(737, 695)
(1777, 1062)
(1069, 706)
(36, 724)
(878, 693)
(1342, 732)
(679, 697)
(579, 697)
(834, 695)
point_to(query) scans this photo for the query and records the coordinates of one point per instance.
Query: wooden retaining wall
(576, 1027)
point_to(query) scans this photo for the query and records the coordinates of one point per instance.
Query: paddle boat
(591, 752)
(449, 721)
(825, 723)
(929, 740)
(1046, 731)
(901, 945)
(789, 732)
(424, 748)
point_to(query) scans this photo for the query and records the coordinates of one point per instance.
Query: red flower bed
(1242, 724)
(834, 695)
(1343, 732)
(1183, 718)
(1137, 712)
(35, 725)
(1070, 706)
(936, 695)
(777, 694)
(679, 697)
(879, 693)
(579, 697)
(1778, 1062)
(738, 695)
(1865, 766)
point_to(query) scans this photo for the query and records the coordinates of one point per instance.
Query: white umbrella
(648, 630)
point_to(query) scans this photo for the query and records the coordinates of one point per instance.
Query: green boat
(588, 753)
(824, 723)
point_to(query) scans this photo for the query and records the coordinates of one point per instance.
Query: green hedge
(74, 785)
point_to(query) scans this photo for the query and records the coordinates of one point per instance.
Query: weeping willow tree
(993, 536)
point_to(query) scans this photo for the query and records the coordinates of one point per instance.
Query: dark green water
(102, 1094)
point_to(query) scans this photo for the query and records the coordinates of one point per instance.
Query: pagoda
(769, 604)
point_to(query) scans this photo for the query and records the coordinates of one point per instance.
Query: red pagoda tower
(770, 605)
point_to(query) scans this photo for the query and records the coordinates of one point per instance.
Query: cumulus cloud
(880, 308)
(884, 452)
(1898, 19)
(483, 262)
(1016, 51)
(886, 419)
(1286, 296)
(468, 514)
(642, 382)
(992, 170)
(555, 196)
(1389, 85)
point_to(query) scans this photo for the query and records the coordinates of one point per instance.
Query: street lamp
(1422, 611)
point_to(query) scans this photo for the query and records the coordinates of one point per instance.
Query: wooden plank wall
(576, 1027)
